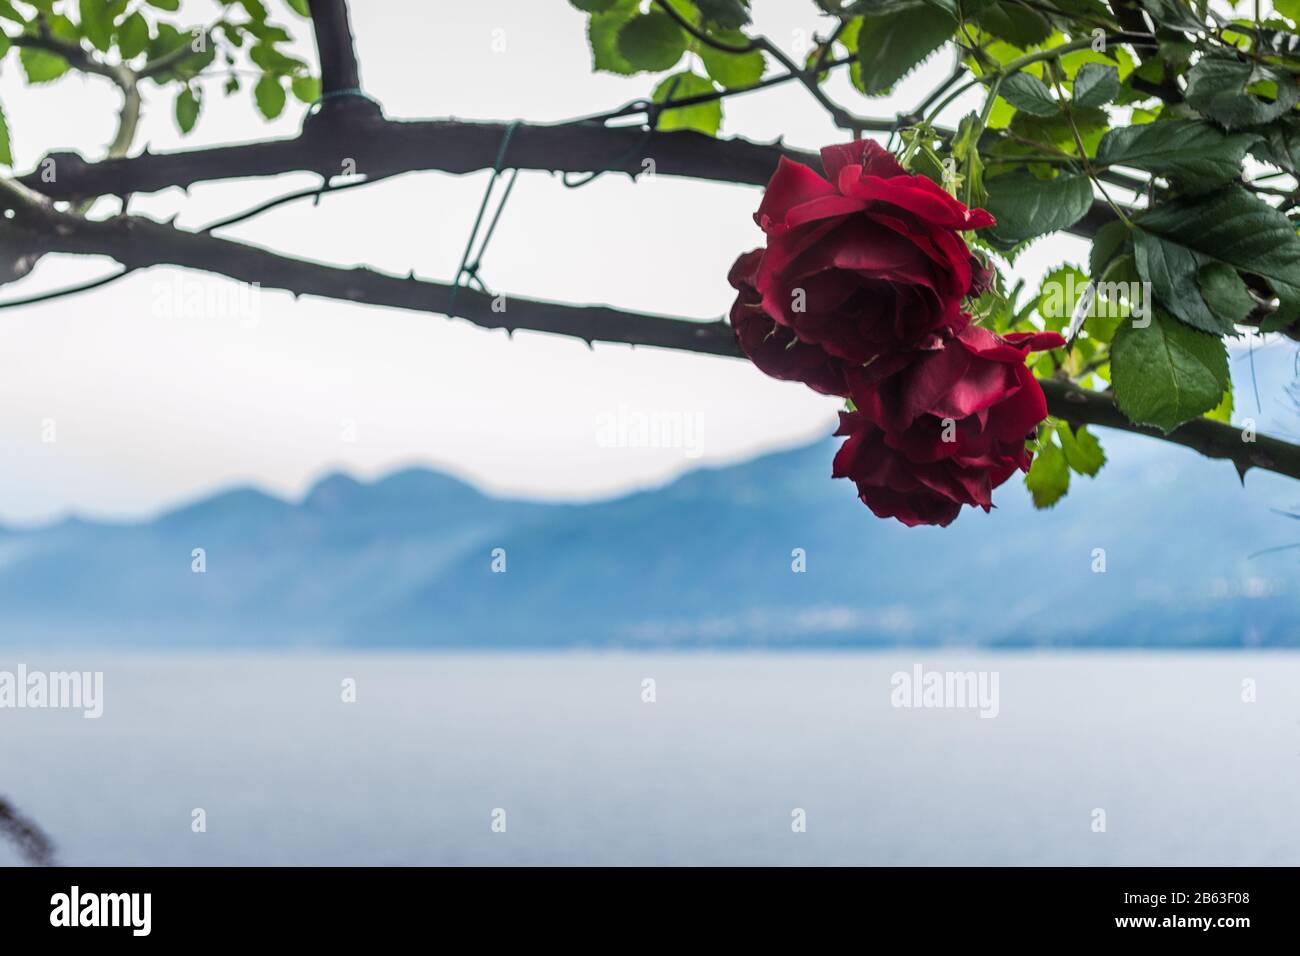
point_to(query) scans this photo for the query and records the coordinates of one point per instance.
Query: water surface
(710, 773)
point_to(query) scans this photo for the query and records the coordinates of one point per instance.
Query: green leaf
(269, 95)
(1019, 26)
(6, 153)
(166, 39)
(1280, 144)
(187, 109)
(41, 66)
(1028, 94)
(266, 55)
(1118, 293)
(594, 6)
(728, 14)
(602, 34)
(1094, 9)
(1106, 245)
(1220, 87)
(1223, 411)
(267, 32)
(651, 41)
(8, 12)
(1095, 85)
(1025, 206)
(1059, 294)
(306, 88)
(1056, 132)
(1082, 450)
(1235, 228)
(1167, 373)
(702, 117)
(1191, 151)
(891, 44)
(97, 23)
(169, 5)
(255, 9)
(1224, 292)
(133, 36)
(299, 7)
(1049, 475)
(1174, 14)
(1172, 268)
(733, 70)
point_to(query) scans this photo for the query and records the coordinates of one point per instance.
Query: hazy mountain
(704, 561)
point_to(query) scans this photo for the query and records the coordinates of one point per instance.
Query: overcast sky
(154, 405)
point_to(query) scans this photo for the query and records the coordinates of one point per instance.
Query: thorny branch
(139, 243)
(349, 131)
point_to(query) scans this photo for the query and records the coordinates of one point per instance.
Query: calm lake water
(711, 772)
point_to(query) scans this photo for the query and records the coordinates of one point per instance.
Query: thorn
(590, 344)
(410, 276)
(510, 331)
(1242, 468)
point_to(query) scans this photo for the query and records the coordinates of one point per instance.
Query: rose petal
(865, 153)
(918, 195)
(791, 185)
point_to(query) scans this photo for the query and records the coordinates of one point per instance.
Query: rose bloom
(772, 347)
(859, 293)
(945, 430)
(866, 261)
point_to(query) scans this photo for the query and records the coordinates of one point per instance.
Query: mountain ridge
(703, 561)
(1160, 550)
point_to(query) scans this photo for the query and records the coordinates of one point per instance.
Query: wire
(652, 113)
(282, 200)
(315, 107)
(70, 290)
(466, 266)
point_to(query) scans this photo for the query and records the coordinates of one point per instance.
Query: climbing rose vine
(859, 293)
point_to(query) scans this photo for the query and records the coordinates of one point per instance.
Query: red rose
(859, 293)
(774, 348)
(890, 484)
(868, 260)
(945, 430)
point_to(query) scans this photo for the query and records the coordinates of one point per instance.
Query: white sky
(152, 409)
